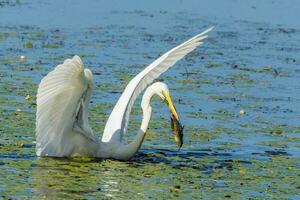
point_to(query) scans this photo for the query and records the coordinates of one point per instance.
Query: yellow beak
(171, 105)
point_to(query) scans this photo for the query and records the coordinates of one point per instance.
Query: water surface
(250, 62)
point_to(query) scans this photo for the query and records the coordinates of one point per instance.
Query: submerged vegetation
(237, 95)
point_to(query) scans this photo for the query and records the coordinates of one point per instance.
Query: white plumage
(62, 127)
(62, 96)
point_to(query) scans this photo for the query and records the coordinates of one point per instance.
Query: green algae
(225, 155)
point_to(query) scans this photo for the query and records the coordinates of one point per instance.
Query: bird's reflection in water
(54, 178)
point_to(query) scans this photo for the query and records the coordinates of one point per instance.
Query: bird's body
(63, 98)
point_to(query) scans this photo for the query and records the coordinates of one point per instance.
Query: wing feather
(59, 98)
(118, 120)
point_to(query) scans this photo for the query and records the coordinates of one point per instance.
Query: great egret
(63, 97)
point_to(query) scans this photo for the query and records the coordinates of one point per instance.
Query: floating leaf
(28, 45)
(242, 112)
(242, 171)
(27, 97)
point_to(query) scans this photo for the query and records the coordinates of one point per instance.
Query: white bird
(63, 96)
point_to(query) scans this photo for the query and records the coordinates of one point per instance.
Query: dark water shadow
(174, 158)
(184, 154)
(177, 159)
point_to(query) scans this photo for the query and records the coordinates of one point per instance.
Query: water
(250, 62)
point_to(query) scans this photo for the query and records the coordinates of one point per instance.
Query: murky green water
(250, 62)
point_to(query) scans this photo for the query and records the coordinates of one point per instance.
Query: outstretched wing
(118, 120)
(62, 107)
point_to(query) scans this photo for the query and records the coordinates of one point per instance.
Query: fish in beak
(176, 126)
(177, 129)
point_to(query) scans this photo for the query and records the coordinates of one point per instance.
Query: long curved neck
(125, 152)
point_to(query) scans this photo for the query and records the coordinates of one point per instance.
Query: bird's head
(162, 90)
